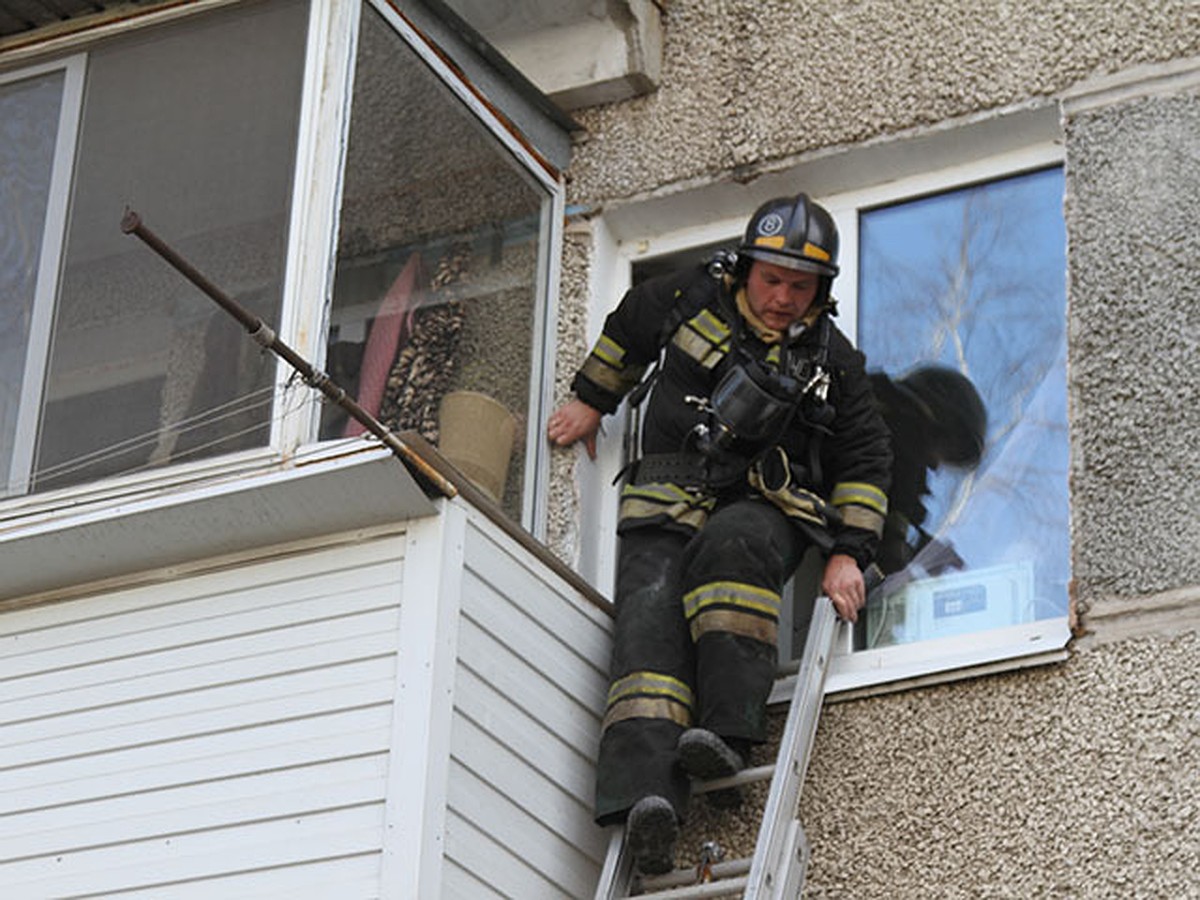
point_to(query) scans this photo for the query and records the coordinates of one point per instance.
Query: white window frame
(49, 263)
(314, 231)
(326, 95)
(853, 669)
(940, 659)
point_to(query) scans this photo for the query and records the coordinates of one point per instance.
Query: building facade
(995, 772)
(213, 587)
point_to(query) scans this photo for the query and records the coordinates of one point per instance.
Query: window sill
(853, 676)
(80, 544)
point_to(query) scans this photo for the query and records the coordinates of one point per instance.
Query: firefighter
(760, 439)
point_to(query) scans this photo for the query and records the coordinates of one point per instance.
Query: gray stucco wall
(747, 84)
(1077, 779)
(1133, 208)
(1072, 781)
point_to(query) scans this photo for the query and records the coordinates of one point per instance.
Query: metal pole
(131, 223)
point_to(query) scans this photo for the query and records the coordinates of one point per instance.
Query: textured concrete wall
(562, 526)
(746, 83)
(1076, 780)
(1133, 204)
(1071, 781)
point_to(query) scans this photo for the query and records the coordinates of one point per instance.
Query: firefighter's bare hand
(575, 421)
(843, 584)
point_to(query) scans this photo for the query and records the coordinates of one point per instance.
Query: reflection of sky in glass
(974, 280)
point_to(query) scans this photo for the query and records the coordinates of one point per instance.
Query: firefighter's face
(779, 296)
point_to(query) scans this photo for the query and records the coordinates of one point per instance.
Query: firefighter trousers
(695, 645)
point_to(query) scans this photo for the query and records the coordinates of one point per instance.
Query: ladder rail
(778, 866)
(781, 853)
(616, 874)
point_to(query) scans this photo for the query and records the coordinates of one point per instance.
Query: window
(961, 312)
(442, 257)
(983, 297)
(111, 362)
(964, 270)
(237, 135)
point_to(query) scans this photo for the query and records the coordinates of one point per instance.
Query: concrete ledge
(592, 60)
(1131, 84)
(1123, 618)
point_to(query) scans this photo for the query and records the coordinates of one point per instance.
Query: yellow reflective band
(707, 324)
(731, 621)
(645, 683)
(773, 355)
(684, 514)
(664, 492)
(647, 708)
(731, 593)
(815, 251)
(609, 350)
(861, 517)
(860, 493)
(694, 345)
(775, 241)
(616, 381)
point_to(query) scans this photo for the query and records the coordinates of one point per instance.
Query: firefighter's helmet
(793, 232)
(956, 414)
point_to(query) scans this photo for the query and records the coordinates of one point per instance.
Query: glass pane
(29, 111)
(194, 126)
(962, 301)
(441, 242)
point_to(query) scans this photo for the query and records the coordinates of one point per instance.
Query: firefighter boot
(650, 834)
(705, 756)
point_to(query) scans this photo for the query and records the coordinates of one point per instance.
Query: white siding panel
(191, 855)
(586, 629)
(528, 688)
(224, 735)
(529, 693)
(521, 782)
(347, 878)
(548, 652)
(568, 766)
(206, 805)
(460, 884)
(488, 856)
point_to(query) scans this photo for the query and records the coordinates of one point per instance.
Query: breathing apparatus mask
(752, 406)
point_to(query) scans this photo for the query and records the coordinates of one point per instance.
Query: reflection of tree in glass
(974, 280)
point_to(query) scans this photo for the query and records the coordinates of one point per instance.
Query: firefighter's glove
(772, 477)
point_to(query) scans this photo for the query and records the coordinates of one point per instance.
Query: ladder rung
(746, 776)
(729, 887)
(687, 877)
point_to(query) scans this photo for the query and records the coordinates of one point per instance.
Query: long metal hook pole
(131, 223)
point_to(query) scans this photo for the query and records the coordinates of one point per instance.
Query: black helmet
(958, 418)
(793, 232)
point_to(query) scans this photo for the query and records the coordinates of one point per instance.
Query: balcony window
(442, 257)
(112, 364)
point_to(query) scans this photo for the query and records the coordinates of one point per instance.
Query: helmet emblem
(770, 224)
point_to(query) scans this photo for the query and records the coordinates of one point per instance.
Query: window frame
(331, 142)
(852, 669)
(37, 351)
(325, 107)
(940, 659)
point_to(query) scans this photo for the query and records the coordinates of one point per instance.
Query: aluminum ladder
(780, 861)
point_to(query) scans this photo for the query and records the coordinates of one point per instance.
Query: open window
(443, 260)
(954, 285)
(326, 164)
(961, 312)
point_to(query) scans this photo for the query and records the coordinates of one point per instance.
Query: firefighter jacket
(837, 452)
